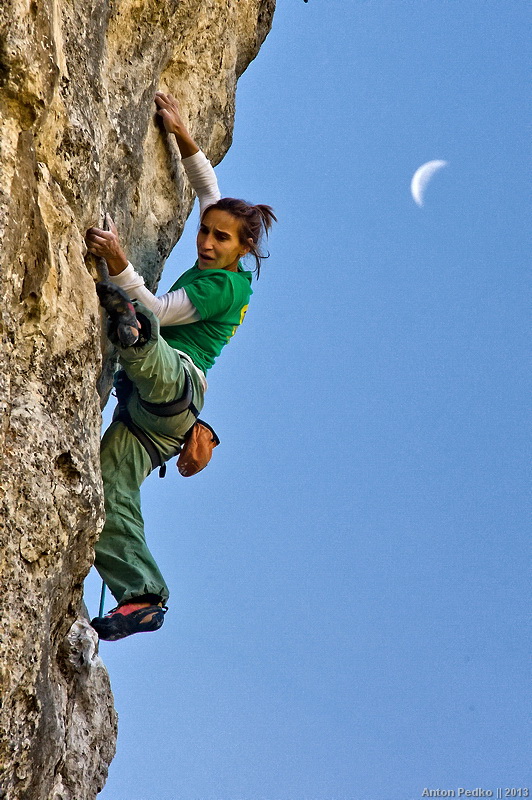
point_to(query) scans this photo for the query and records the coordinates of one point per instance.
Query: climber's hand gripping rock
(124, 326)
(106, 244)
(168, 111)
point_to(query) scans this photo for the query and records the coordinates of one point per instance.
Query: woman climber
(165, 346)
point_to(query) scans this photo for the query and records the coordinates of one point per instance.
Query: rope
(102, 600)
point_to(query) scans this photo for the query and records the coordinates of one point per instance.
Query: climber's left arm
(172, 308)
(197, 166)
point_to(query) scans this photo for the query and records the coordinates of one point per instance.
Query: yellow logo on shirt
(242, 315)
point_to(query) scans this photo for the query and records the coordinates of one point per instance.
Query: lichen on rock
(78, 137)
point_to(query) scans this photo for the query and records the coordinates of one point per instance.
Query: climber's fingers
(98, 239)
(165, 116)
(168, 110)
(106, 244)
(99, 232)
(93, 241)
(164, 100)
(109, 236)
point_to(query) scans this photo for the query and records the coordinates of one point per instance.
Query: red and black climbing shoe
(123, 323)
(128, 618)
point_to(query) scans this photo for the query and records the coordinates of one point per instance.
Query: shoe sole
(111, 629)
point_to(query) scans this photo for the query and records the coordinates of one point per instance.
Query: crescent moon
(421, 178)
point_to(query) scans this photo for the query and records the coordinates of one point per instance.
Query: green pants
(158, 375)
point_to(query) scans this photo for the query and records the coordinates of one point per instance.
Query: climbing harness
(124, 387)
(199, 441)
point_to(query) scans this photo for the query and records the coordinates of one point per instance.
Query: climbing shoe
(128, 618)
(124, 327)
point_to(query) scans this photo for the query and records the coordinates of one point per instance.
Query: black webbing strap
(148, 444)
(171, 409)
(183, 403)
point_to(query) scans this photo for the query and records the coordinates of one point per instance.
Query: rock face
(78, 137)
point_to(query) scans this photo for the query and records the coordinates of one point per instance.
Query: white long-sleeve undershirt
(174, 308)
(202, 178)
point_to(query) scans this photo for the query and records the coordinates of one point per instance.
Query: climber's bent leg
(156, 369)
(157, 372)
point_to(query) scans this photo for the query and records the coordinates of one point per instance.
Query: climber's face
(219, 245)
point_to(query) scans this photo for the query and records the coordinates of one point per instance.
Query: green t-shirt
(221, 299)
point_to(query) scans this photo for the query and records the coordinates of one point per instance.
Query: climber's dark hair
(255, 222)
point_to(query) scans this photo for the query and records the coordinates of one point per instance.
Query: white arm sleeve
(175, 308)
(202, 178)
(172, 308)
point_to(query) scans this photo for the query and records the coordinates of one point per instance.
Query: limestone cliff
(77, 137)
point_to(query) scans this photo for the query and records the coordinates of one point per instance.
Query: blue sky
(347, 618)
